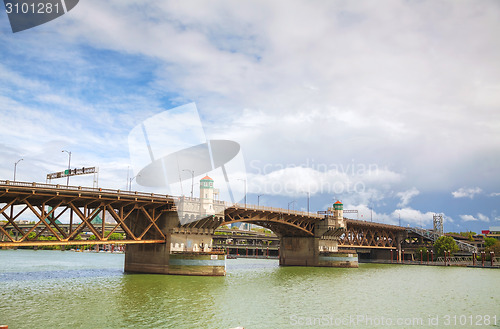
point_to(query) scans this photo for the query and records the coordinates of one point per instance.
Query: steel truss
(134, 214)
(372, 235)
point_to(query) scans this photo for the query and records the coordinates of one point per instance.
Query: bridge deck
(82, 206)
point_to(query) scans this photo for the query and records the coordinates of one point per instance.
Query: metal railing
(155, 195)
(274, 209)
(83, 188)
(434, 236)
(255, 207)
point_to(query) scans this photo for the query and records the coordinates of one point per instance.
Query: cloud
(478, 217)
(416, 217)
(495, 194)
(466, 192)
(316, 178)
(406, 196)
(408, 216)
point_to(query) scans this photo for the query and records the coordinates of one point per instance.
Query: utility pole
(308, 196)
(245, 181)
(69, 165)
(128, 174)
(258, 199)
(131, 179)
(15, 168)
(192, 179)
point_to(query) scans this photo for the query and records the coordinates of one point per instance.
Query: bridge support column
(182, 254)
(305, 251)
(399, 239)
(191, 255)
(147, 258)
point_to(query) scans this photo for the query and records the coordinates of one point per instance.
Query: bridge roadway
(80, 206)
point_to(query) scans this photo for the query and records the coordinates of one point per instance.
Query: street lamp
(15, 167)
(69, 165)
(258, 199)
(244, 180)
(192, 179)
(308, 197)
(130, 184)
(290, 203)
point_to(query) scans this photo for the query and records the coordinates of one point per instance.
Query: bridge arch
(278, 227)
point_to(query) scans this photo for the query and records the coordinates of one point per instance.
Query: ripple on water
(84, 290)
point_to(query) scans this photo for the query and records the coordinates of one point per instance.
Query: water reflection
(64, 289)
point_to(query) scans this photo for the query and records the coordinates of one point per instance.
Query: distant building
(493, 232)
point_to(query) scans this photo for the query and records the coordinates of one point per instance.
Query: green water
(56, 289)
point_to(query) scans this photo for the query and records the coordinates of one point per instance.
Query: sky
(392, 107)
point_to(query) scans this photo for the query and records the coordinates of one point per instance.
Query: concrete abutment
(310, 251)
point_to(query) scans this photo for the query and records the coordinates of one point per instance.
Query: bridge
(168, 234)
(417, 235)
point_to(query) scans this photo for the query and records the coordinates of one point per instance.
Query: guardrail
(255, 207)
(145, 194)
(83, 188)
(281, 210)
(434, 236)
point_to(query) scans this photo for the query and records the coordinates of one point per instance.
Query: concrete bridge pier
(314, 251)
(322, 248)
(183, 253)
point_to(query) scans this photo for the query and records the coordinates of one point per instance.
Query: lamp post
(245, 181)
(289, 204)
(308, 197)
(69, 165)
(192, 179)
(258, 199)
(130, 184)
(15, 167)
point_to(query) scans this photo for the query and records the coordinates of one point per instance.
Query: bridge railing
(274, 209)
(425, 233)
(434, 236)
(83, 188)
(155, 195)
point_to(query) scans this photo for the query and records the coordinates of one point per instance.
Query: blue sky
(392, 106)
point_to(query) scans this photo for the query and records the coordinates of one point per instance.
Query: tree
(445, 243)
(115, 236)
(424, 253)
(488, 242)
(495, 247)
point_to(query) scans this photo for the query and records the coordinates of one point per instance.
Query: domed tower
(338, 211)
(207, 196)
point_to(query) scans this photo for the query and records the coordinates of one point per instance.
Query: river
(65, 289)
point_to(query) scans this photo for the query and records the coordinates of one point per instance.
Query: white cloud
(495, 194)
(406, 196)
(409, 216)
(478, 217)
(333, 179)
(416, 217)
(466, 192)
